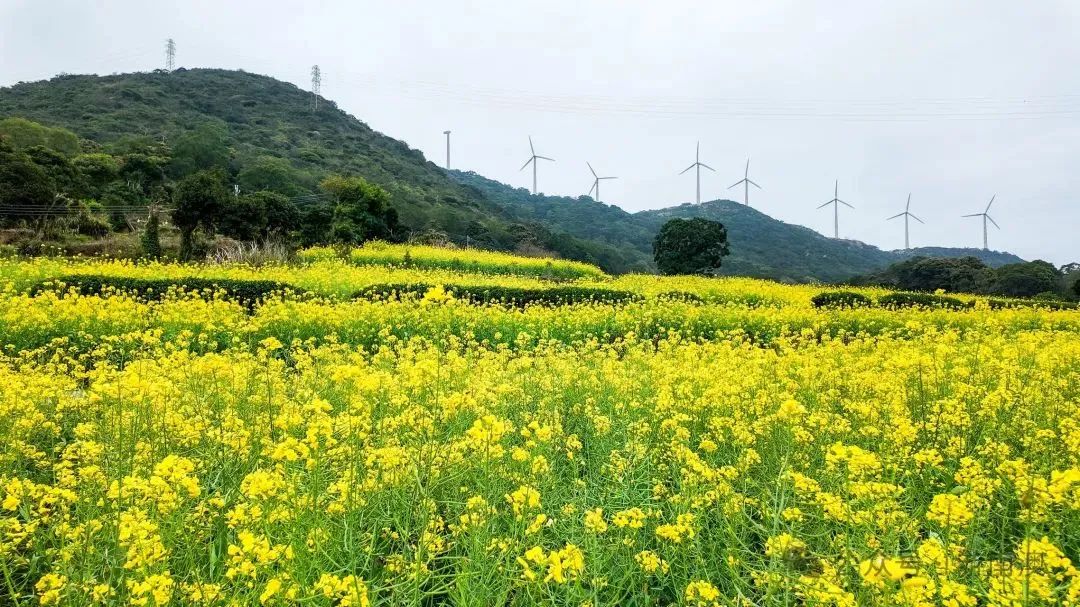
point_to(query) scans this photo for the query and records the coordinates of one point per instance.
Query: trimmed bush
(840, 299)
(514, 296)
(921, 300)
(998, 304)
(247, 292)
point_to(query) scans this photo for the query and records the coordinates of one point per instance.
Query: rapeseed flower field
(730, 445)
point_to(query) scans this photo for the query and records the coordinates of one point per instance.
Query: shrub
(920, 300)
(840, 299)
(150, 241)
(247, 292)
(997, 304)
(513, 296)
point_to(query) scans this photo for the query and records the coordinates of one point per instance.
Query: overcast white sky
(952, 101)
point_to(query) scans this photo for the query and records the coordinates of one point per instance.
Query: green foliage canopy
(690, 246)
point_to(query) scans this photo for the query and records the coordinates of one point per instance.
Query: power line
(741, 108)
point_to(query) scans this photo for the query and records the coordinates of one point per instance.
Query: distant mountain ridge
(265, 118)
(761, 246)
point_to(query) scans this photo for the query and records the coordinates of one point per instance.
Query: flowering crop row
(194, 451)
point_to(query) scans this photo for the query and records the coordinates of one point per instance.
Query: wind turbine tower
(906, 215)
(836, 202)
(698, 164)
(596, 182)
(746, 182)
(986, 217)
(533, 159)
(447, 133)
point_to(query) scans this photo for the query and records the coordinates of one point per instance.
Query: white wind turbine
(533, 159)
(596, 182)
(986, 217)
(746, 182)
(836, 202)
(906, 215)
(698, 164)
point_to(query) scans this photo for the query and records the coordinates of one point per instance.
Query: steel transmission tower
(316, 84)
(170, 54)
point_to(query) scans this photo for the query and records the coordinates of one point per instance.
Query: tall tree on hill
(690, 246)
(205, 148)
(22, 134)
(1026, 279)
(360, 210)
(199, 200)
(25, 188)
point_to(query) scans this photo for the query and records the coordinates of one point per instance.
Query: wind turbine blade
(546, 158)
(973, 215)
(845, 204)
(591, 170)
(824, 204)
(526, 164)
(993, 222)
(739, 182)
(916, 218)
(908, 206)
(707, 166)
(591, 189)
(754, 184)
(607, 177)
(747, 173)
(531, 148)
(688, 168)
(895, 216)
(991, 203)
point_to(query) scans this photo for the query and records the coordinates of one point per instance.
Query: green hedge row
(248, 292)
(922, 300)
(849, 299)
(998, 304)
(894, 301)
(516, 296)
(840, 299)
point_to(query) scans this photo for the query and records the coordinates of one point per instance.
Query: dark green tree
(23, 134)
(151, 237)
(242, 217)
(690, 246)
(316, 221)
(95, 172)
(956, 275)
(204, 148)
(1026, 279)
(281, 214)
(273, 175)
(360, 210)
(25, 188)
(58, 167)
(199, 200)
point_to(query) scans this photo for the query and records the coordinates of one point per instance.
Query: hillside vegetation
(761, 246)
(265, 135)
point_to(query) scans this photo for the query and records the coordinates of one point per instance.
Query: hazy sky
(952, 101)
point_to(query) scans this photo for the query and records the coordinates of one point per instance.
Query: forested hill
(582, 217)
(760, 245)
(270, 129)
(270, 137)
